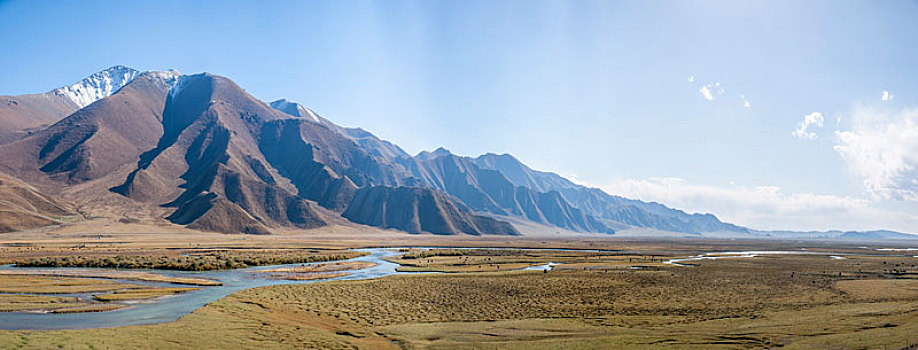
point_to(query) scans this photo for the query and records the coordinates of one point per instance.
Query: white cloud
(691, 78)
(766, 207)
(706, 92)
(710, 92)
(882, 148)
(886, 96)
(814, 118)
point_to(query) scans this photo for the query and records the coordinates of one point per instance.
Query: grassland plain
(795, 301)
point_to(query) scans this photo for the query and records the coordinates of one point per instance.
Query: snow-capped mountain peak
(294, 109)
(98, 86)
(168, 77)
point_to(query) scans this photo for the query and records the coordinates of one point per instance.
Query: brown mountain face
(199, 151)
(490, 191)
(24, 113)
(380, 163)
(361, 156)
(227, 162)
(373, 145)
(324, 165)
(21, 115)
(208, 164)
(415, 209)
(95, 141)
(24, 207)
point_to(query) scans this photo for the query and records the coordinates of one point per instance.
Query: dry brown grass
(315, 272)
(701, 292)
(880, 289)
(36, 287)
(58, 285)
(311, 276)
(325, 267)
(19, 302)
(492, 260)
(781, 301)
(768, 302)
(89, 308)
(121, 275)
(794, 301)
(137, 294)
(190, 260)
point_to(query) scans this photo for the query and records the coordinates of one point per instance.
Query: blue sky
(597, 91)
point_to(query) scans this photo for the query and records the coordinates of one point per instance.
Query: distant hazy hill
(838, 235)
(597, 203)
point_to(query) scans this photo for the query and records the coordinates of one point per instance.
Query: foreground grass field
(796, 301)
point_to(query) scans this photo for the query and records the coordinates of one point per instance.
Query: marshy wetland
(611, 295)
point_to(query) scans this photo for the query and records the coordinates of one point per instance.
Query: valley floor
(628, 298)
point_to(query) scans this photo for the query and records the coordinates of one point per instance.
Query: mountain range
(199, 151)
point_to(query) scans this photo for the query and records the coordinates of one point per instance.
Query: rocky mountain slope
(595, 202)
(415, 209)
(502, 185)
(24, 207)
(220, 160)
(24, 113)
(227, 162)
(94, 141)
(490, 191)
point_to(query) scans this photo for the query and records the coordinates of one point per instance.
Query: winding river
(170, 308)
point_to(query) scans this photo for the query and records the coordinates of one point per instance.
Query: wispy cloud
(886, 96)
(710, 91)
(882, 148)
(706, 92)
(766, 207)
(801, 132)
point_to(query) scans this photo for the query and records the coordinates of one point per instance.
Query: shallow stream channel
(170, 308)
